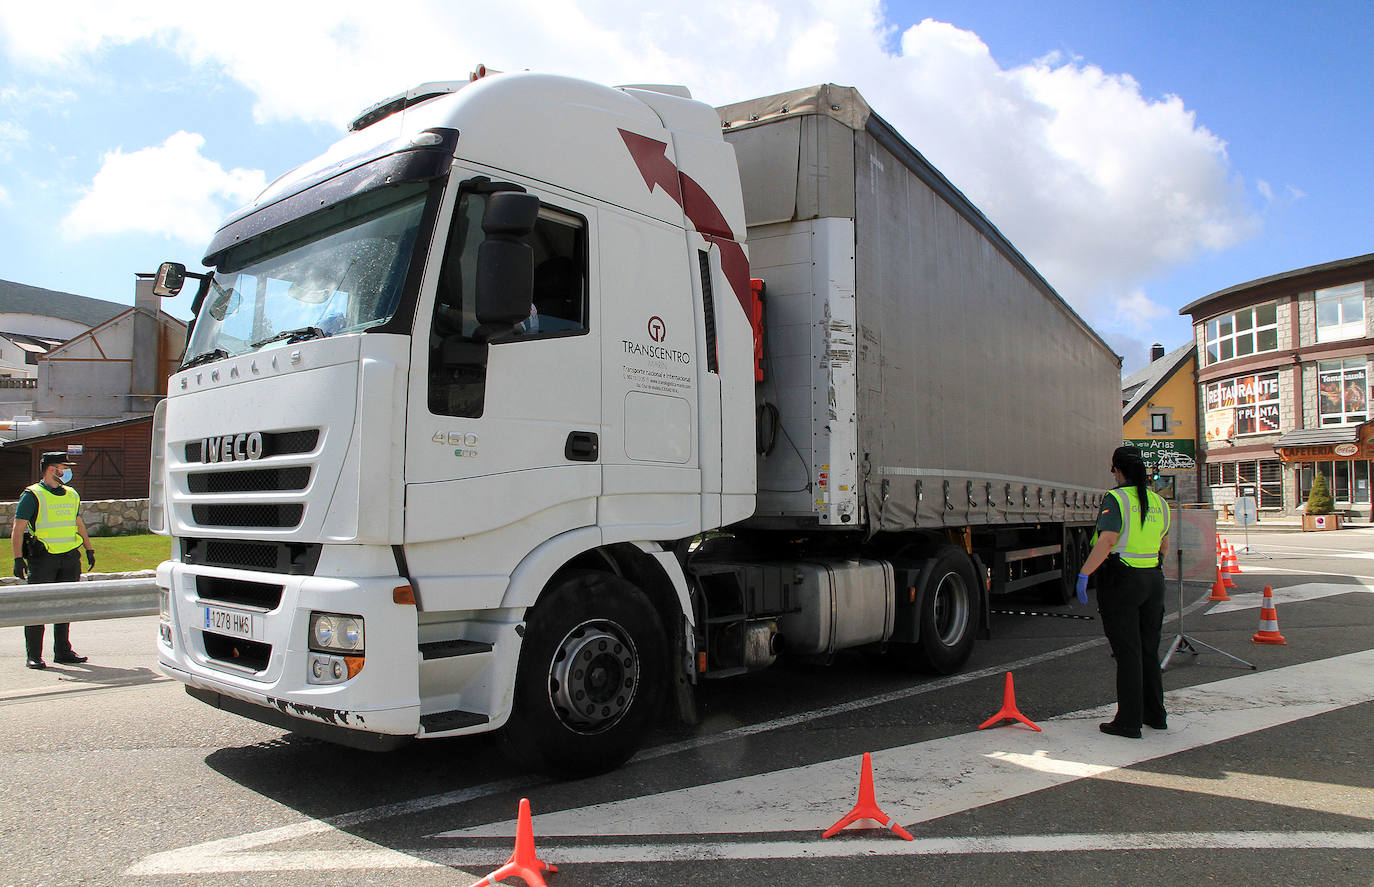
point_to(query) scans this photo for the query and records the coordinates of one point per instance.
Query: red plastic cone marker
(1009, 711)
(1269, 621)
(867, 806)
(1231, 561)
(1226, 578)
(1219, 589)
(523, 864)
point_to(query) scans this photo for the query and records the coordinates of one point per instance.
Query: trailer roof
(846, 105)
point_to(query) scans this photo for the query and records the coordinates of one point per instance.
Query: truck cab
(491, 345)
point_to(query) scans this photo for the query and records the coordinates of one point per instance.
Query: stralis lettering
(656, 351)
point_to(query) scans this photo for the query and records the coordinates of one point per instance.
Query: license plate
(232, 622)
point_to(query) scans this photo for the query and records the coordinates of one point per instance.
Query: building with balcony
(1283, 386)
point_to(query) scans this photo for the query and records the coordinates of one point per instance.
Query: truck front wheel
(590, 676)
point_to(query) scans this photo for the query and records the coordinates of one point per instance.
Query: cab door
(504, 426)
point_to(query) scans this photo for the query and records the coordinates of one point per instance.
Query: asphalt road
(110, 774)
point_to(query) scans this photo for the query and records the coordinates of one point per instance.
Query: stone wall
(103, 517)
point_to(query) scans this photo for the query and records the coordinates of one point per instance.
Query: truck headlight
(164, 616)
(336, 633)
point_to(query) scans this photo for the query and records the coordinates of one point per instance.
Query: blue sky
(1141, 155)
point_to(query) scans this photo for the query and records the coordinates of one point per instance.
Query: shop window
(1342, 391)
(1340, 312)
(1261, 478)
(1248, 331)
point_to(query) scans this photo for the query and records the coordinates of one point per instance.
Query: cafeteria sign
(1167, 455)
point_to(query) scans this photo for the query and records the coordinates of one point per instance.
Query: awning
(1337, 442)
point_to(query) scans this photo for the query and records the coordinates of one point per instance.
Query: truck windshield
(336, 272)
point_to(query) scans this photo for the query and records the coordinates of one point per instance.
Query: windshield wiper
(206, 357)
(293, 336)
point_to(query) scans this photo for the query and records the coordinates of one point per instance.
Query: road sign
(1247, 512)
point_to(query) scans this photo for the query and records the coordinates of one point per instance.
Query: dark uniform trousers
(64, 567)
(1132, 606)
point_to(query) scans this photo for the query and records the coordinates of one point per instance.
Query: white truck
(532, 403)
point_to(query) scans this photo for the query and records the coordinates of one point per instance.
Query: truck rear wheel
(947, 618)
(948, 612)
(590, 677)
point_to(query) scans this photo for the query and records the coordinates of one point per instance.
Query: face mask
(66, 475)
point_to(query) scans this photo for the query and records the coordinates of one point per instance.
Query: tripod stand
(1187, 644)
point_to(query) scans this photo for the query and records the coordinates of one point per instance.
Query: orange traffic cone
(1009, 711)
(1219, 589)
(523, 862)
(1225, 573)
(1269, 621)
(866, 807)
(1232, 564)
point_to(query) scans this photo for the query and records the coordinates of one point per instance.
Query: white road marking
(855, 845)
(927, 780)
(1291, 594)
(1301, 794)
(233, 854)
(1289, 571)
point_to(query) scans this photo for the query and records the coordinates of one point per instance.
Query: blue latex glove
(1082, 588)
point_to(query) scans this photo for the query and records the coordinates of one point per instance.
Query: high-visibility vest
(55, 524)
(1138, 546)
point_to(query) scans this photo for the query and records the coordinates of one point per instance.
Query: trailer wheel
(949, 612)
(590, 677)
(1075, 553)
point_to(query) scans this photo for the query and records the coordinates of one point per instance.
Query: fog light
(327, 669)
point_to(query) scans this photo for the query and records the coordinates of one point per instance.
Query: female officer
(1128, 550)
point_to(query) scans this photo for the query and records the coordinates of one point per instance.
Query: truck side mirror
(505, 262)
(170, 278)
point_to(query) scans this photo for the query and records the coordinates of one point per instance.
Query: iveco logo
(231, 447)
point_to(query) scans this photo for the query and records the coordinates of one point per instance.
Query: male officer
(53, 510)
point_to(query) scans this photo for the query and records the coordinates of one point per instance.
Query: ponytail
(1129, 462)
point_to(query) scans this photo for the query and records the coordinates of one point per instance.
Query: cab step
(443, 721)
(447, 649)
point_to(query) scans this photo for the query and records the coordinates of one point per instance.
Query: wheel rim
(594, 676)
(951, 608)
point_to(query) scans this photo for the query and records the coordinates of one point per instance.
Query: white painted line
(927, 780)
(852, 845)
(1282, 571)
(1290, 594)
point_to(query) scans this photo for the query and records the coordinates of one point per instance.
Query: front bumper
(271, 685)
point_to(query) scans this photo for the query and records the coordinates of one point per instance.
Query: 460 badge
(463, 442)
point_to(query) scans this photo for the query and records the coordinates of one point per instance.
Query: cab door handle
(582, 446)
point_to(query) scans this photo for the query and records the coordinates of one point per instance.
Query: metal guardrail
(77, 601)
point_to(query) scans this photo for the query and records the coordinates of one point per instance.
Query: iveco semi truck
(533, 403)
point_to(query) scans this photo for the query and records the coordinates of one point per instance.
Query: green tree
(1319, 499)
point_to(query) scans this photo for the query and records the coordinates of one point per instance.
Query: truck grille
(256, 514)
(237, 592)
(291, 558)
(278, 443)
(254, 481)
(252, 655)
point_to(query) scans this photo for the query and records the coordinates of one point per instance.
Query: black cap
(56, 459)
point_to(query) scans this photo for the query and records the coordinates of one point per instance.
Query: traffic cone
(1232, 564)
(1269, 621)
(523, 862)
(1219, 589)
(1009, 711)
(1225, 573)
(866, 807)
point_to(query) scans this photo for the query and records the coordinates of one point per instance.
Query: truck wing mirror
(505, 261)
(169, 280)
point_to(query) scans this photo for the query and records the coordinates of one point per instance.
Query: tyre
(1075, 553)
(590, 677)
(949, 612)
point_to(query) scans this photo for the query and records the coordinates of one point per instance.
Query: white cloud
(5, 199)
(1102, 187)
(12, 136)
(170, 190)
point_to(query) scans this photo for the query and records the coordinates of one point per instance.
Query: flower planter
(1321, 521)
